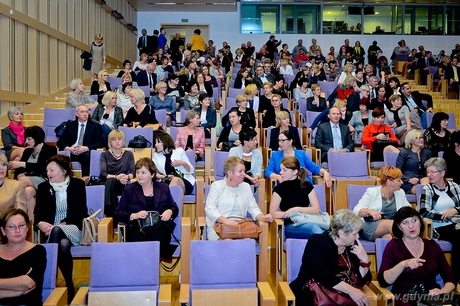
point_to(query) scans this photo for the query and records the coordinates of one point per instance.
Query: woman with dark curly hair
(437, 135)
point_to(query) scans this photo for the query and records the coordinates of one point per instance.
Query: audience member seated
(413, 100)
(126, 78)
(292, 196)
(381, 100)
(333, 136)
(316, 75)
(360, 119)
(270, 114)
(251, 156)
(30, 171)
(231, 199)
(59, 213)
(162, 101)
(123, 98)
(324, 115)
(142, 63)
(244, 112)
(208, 78)
(278, 87)
(409, 262)
(191, 137)
(354, 98)
(265, 99)
(251, 93)
(411, 160)
(377, 135)
(316, 103)
(301, 56)
(302, 91)
(13, 135)
(203, 87)
(140, 112)
(100, 86)
(116, 170)
(379, 204)
(337, 250)
(398, 117)
(287, 149)
(241, 78)
(452, 157)
(127, 69)
(261, 77)
(22, 263)
(145, 196)
(229, 136)
(80, 136)
(148, 78)
(439, 202)
(285, 67)
(173, 166)
(208, 115)
(437, 135)
(347, 70)
(11, 191)
(191, 99)
(77, 96)
(283, 123)
(108, 114)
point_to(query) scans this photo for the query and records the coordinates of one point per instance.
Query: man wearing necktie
(423, 64)
(333, 136)
(452, 74)
(142, 43)
(261, 77)
(81, 136)
(148, 78)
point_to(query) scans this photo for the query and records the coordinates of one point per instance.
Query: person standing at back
(197, 42)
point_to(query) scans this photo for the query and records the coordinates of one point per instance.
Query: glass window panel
(383, 20)
(453, 20)
(423, 20)
(258, 19)
(300, 19)
(341, 19)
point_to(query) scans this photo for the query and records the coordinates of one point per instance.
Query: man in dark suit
(261, 77)
(81, 136)
(354, 98)
(143, 43)
(413, 100)
(333, 136)
(423, 65)
(452, 74)
(153, 42)
(147, 77)
(272, 44)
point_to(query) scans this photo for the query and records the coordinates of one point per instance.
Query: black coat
(92, 139)
(38, 168)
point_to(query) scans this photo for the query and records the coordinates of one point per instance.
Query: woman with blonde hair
(247, 114)
(108, 114)
(127, 78)
(348, 69)
(283, 123)
(251, 91)
(379, 204)
(77, 96)
(142, 63)
(163, 101)
(191, 137)
(100, 86)
(97, 50)
(140, 112)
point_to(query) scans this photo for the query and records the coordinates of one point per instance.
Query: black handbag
(139, 141)
(152, 221)
(227, 145)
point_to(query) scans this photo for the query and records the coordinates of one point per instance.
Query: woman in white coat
(174, 167)
(231, 199)
(379, 204)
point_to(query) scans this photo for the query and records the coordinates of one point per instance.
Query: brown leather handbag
(246, 228)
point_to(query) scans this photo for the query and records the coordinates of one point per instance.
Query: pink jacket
(198, 140)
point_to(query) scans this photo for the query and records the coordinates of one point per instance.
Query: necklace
(116, 156)
(416, 249)
(347, 261)
(247, 154)
(148, 194)
(34, 154)
(388, 199)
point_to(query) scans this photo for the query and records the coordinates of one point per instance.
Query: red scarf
(19, 131)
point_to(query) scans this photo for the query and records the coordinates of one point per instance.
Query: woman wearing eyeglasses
(22, 263)
(100, 86)
(440, 201)
(108, 114)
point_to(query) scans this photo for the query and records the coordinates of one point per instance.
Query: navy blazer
(143, 80)
(133, 200)
(324, 140)
(211, 117)
(45, 209)
(92, 139)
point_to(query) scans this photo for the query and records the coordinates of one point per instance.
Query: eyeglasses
(163, 87)
(15, 227)
(433, 172)
(283, 140)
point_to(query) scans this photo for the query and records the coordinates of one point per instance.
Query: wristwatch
(365, 264)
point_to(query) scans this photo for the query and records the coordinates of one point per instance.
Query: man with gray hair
(353, 99)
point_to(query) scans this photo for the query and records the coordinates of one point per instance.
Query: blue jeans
(303, 231)
(423, 119)
(105, 134)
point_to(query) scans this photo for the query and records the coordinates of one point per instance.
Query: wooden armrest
(266, 295)
(184, 294)
(58, 297)
(211, 179)
(105, 230)
(428, 232)
(276, 239)
(164, 295)
(261, 196)
(383, 294)
(121, 233)
(371, 296)
(81, 298)
(201, 228)
(199, 205)
(285, 295)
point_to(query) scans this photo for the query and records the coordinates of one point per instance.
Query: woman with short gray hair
(77, 96)
(13, 135)
(440, 201)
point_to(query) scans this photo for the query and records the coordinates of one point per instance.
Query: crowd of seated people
(375, 109)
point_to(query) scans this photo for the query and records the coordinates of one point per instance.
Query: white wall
(226, 27)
